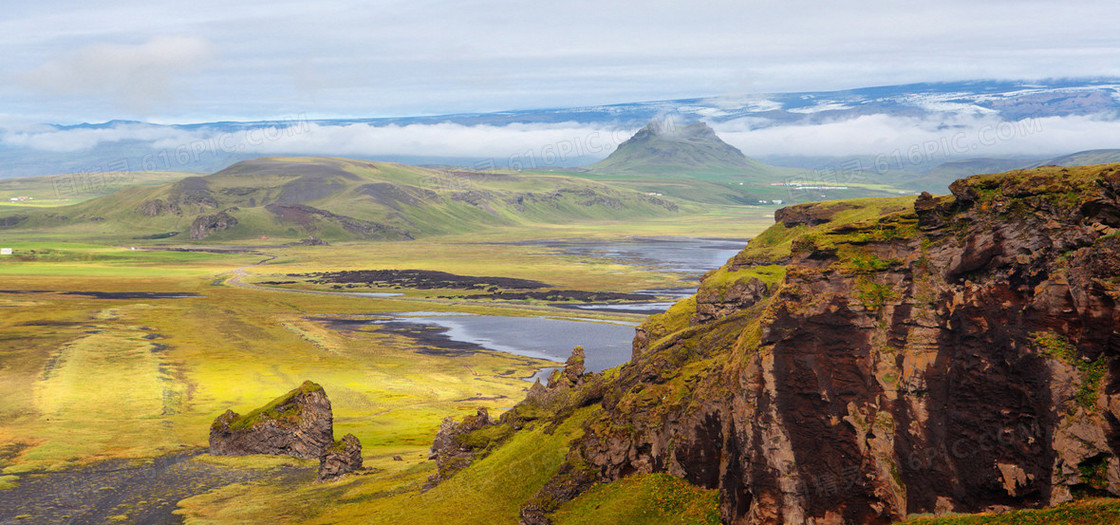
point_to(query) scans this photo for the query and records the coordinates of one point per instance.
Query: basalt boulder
(297, 424)
(341, 458)
(450, 451)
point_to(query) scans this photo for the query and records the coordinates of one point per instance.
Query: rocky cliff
(864, 360)
(204, 225)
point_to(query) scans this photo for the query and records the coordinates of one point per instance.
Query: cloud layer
(900, 141)
(139, 78)
(961, 136)
(81, 62)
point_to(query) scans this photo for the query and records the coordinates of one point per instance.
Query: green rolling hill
(335, 199)
(944, 174)
(1085, 158)
(938, 179)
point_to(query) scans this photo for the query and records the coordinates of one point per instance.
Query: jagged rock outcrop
(572, 373)
(449, 449)
(205, 225)
(341, 458)
(457, 445)
(157, 207)
(562, 384)
(713, 302)
(811, 214)
(298, 424)
(960, 354)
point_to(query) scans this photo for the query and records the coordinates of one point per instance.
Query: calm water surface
(607, 344)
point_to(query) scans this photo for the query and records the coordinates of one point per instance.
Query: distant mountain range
(941, 175)
(584, 136)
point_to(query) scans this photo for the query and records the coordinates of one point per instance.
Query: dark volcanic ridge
(419, 280)
(135, 295)
(558, 296)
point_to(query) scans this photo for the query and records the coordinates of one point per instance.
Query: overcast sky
(160, 61)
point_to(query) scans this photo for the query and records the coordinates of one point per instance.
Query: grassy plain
(85, 379)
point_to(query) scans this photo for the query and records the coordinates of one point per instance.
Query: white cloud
(902, 140)
(516, 145)
(137, 77)
(523, 145)
(960, 136)
(81, 139)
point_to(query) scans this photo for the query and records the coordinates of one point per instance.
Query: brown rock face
(343, 457)
(712, 303)
(298, 424)
(450, 453)
(809, 214)
(960, 355)
(157, 207)
(204, 225)
(572, 372)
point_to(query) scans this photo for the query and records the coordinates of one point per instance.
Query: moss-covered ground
(640, 499)
(85, 379)
(1082, 512)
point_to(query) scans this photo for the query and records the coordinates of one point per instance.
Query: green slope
(944, 174)
(76, 187)
(941, 176)
(1085, 158)
(335, 199)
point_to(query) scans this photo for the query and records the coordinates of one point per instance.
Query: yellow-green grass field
(85, 379)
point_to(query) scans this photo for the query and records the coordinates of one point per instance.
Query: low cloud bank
(899, 140)
(916, 140)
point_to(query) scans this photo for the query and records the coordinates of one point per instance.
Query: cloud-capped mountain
(663, 147)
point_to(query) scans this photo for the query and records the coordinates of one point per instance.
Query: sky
(158, 61)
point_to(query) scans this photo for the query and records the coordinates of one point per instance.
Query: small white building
(5, 251)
